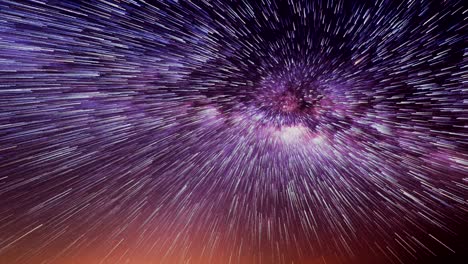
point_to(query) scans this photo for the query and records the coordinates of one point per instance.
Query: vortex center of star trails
(290, 99)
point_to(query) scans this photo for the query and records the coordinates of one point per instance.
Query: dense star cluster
(233, 132)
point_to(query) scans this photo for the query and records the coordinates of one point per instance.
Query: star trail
(233, 132)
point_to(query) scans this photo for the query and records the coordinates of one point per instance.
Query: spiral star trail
(233, 132)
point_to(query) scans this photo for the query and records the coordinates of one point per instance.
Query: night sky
(233, 132)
